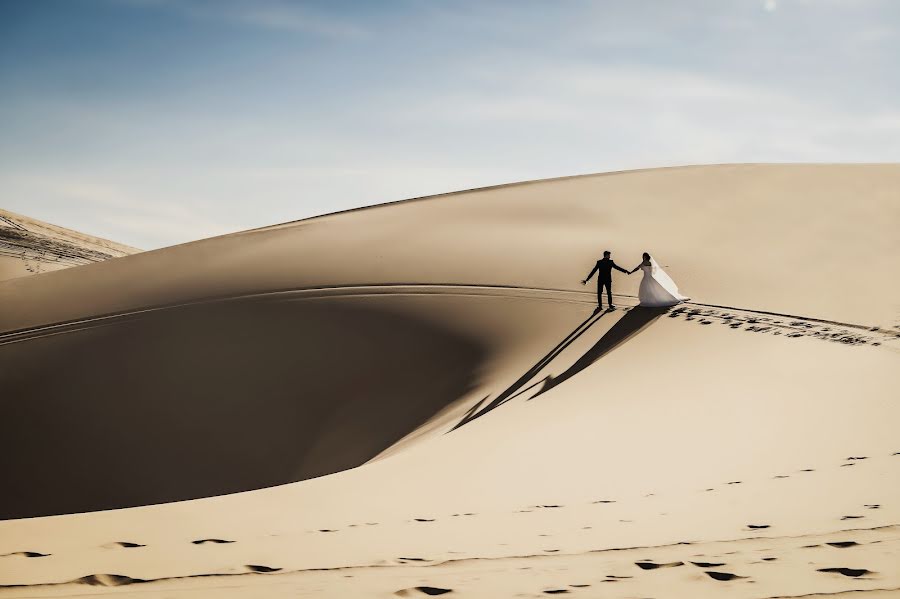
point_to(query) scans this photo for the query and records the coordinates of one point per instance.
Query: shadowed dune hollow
(218, 398)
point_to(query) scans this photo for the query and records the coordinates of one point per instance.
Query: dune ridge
(459, 418)
(29, 246)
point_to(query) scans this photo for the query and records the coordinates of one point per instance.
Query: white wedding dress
(657, 288)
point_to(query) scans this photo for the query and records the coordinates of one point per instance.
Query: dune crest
(458, 417)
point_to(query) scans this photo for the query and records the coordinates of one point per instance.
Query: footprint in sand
(872, 506)
(424, 519)
(851, 572)
(654, 566)
(327, 530)
(261, 569)
(26, 554)
(852, 517)
(758, 526)
(107, 580)
(707, 564)
(556, 591)
(414, 559)
(858, 458)
(781, 476)
(842, 544)
(723, 576)
(604, 501)
(204, 541)
(416, 591)
(769, 559)
(123, 544)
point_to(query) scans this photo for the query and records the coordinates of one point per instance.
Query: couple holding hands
(657, 288)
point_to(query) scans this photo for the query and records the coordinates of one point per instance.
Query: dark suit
(604, 268)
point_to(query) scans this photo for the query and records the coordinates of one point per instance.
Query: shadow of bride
(634, 321)
(518, 387)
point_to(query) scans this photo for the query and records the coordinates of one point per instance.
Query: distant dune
(29, 246)
(420, 399)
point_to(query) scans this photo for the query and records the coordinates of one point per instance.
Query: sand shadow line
(517, 387)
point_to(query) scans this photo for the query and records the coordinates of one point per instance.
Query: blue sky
(154, 122)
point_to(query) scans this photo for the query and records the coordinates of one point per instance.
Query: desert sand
(29, 246)
(420, 399)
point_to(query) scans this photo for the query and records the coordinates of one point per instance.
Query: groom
(603, 268)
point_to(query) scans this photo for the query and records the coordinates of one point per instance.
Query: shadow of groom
(634, 321)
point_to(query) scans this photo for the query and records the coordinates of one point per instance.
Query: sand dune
(29, 246)
(486, 431)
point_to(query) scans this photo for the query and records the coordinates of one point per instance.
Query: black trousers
(600, 286)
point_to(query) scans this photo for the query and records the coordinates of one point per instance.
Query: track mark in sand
(723, 576)
(431, 591)
(579, 586)
(556, 591)
(734, 482)
(851, 572)
(769, 559)
(790, 326)
(707, 564)
(423, 519)
(858, 458)
(851, 517)
(551, 550)
(807, 470)
(26, 554)
(604, 501)
(758, 526)
(654, 566)
(204, 541)
(872, 506)
(781, 476)
(261, 569)
(327, 530)
(848, 464)
(123, 544)
(842, 544)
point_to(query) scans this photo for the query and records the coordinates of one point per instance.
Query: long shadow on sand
(634, 321)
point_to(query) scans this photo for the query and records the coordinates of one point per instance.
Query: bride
(657, 288)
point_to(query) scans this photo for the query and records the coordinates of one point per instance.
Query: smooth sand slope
(29, 246)
(514, 442)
